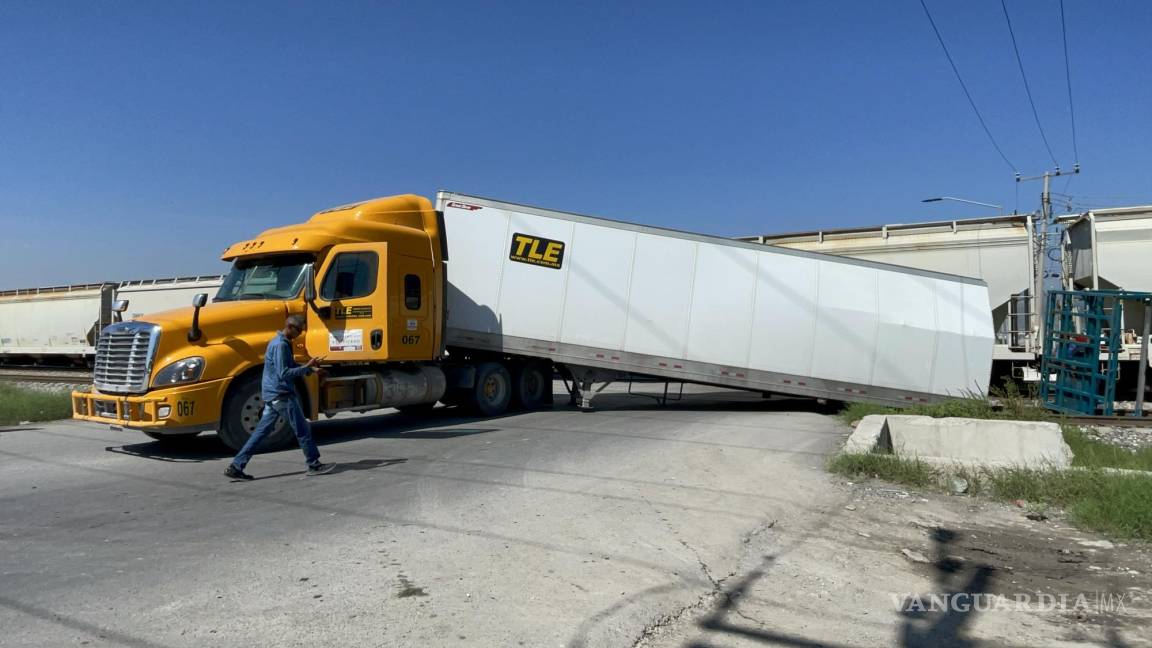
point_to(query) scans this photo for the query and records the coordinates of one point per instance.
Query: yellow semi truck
(532, 290)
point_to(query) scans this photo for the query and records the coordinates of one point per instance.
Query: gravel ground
(58, 387)
(1129, 438)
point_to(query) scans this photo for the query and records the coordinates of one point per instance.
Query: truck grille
(124, 357)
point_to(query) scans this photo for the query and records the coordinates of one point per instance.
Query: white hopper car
(1104, 248)
(60, 324)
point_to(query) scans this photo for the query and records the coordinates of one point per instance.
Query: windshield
(279, 277)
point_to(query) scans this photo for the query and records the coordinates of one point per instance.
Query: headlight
(182, 371)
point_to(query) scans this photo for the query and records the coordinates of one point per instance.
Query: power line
(1129, 197)
(1068, 77)
(1068, 182)
(1023, 76)
(965, 88)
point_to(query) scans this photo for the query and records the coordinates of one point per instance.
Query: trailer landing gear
(583, 388)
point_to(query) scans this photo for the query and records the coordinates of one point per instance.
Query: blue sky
(139, 139)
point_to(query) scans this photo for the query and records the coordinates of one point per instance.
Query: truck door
(411, 305)
(349, 320)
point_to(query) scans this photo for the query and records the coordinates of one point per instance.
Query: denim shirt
(280, 370)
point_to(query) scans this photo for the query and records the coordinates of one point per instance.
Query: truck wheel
(241, 413)
(493, 389)
(532, 385)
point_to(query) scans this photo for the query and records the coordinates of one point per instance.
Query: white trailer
(58, 322)
(155, 295)
(1000, 250)
(604, 298)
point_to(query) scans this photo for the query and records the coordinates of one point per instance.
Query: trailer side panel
(602, 293)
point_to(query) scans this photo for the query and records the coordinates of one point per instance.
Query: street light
(963, 200)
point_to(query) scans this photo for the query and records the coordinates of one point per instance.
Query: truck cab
(368, 277)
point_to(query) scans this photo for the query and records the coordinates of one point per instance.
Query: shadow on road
(441, 422)
(352, 466)
(194, 450)
(720, 400)
(208, 447)
(367, 464)
(941, 618)
(926, 625)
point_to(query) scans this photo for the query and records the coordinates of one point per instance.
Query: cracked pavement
(708, 522)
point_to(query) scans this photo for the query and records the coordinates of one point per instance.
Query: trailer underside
(594, 365)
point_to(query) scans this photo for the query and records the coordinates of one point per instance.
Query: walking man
(281, 402)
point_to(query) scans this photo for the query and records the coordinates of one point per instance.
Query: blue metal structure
(1079, 368)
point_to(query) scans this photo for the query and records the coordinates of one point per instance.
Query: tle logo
(536, 250)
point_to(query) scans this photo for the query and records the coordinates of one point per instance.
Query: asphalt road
(550, 528)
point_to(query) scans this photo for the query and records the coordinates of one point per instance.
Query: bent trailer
(605, 298)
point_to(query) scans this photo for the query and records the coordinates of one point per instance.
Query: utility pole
(1039, 267)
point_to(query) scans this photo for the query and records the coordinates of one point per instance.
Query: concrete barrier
(975, 442)
(870, 435)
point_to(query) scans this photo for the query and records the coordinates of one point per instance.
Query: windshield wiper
(256, 296)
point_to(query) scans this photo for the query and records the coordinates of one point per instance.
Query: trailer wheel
(493, 389)
(532, 384)
(241, 413)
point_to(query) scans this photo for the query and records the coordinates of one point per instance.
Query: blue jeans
(286, 408)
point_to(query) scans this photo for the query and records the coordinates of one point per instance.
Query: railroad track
(1116, 421)
(74, 376)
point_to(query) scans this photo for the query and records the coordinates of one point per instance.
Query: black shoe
(235, 473)
(320, 469)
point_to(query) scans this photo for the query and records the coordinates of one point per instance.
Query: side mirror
(309, 283)
(194, 333)
(118, 308)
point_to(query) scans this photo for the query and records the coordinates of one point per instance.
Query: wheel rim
(533, 383)
(250, 415)
(494, 388)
